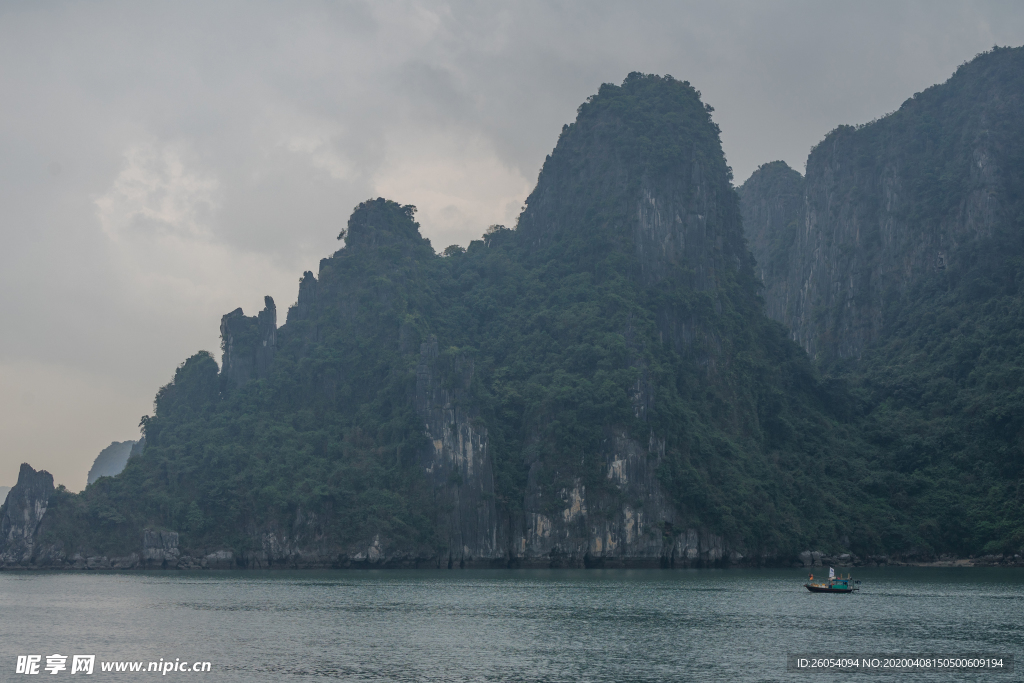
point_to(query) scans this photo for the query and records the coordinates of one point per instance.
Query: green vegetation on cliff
(944, 387)
(912, 245)
(622, 313)
(584, 323)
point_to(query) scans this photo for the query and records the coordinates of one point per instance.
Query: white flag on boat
(831, 573)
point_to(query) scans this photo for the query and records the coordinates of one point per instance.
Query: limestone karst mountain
(897, 262)
(599, 386)
(928, 190)
(21, 517)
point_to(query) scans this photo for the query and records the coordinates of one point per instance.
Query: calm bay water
(532, 625)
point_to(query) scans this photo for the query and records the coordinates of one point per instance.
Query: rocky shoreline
(160, 551)
(23, 547)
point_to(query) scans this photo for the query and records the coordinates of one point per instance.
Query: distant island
(653, 368)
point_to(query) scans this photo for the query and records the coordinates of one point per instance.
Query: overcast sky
(164, 163)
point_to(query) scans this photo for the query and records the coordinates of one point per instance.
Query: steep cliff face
(306, 306)
(629, 523)
(772, 203)
(889, 203)
(457, 461)
(22, 515)
(650, 183)
(249, 344)
(641, 197)
(904, 279)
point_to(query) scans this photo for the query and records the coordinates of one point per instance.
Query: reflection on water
(596, 625)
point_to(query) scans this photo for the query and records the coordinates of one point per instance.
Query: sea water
(497, 625)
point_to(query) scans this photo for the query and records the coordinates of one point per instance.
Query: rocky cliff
(457, 461)
(248, 343)
(896, 263)
(598, 387)
(888, 203)
(22, 515)
(669, 217)
(772, 202)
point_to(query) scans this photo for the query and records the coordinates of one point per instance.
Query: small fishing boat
(835, 584)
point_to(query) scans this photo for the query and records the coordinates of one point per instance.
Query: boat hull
(827, 589)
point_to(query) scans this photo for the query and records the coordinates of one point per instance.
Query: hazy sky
(164, 163)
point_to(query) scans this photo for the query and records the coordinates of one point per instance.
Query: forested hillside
(600, 385)
(898, 262)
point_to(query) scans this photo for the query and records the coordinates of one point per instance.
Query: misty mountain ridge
(111, 460)
(601, 386)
